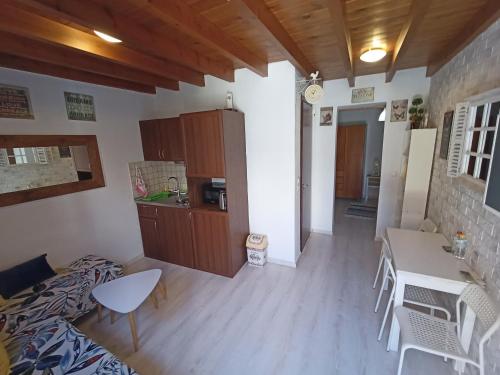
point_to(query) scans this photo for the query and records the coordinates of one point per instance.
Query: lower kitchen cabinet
(166, 234)
(211, 241)
(150, 237)
(175, 236)
(195, 238)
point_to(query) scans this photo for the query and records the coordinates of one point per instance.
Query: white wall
(272, 155)
(404, 85)
(102, 221)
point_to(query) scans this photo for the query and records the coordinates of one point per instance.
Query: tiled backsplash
(156, 174)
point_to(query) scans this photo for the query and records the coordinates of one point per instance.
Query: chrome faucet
(177, 189)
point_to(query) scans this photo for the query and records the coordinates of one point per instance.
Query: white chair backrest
(476, 298)
(386, 249)
(428, 226)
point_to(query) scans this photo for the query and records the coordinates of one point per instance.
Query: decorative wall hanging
(399, 109)
(366, 94)
(311, 88)
(326, 116)
(445, 135)
(15, 102)
(79, 106)
(417, 112)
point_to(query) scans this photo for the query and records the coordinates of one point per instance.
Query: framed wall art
(445, 135)
(326, 116)
(15, 102)
(79, 106)
(399, 110)
(365, 94)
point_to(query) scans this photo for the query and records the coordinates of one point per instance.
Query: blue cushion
(25, 275)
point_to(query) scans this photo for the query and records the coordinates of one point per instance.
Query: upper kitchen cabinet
(204, 142)
(162, 139)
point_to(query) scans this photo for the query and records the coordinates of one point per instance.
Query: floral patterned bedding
(55, 347)
(35, 329)
(68, 294)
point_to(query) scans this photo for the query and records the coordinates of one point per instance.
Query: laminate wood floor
(315, 319)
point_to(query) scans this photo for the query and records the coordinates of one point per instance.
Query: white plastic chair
(381, 261)
(428, 226)
(413, 294)
(441, 337)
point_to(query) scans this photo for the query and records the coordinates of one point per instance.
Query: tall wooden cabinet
(204, 142)
(215, 148)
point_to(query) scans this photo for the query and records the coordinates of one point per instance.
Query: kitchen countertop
(165, 202)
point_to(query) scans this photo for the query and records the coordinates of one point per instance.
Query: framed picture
(79, 106)
(366, 94)
(326, 116)
(445, 137)
(15, 102)
(399, 110)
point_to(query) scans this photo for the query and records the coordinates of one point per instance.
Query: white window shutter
(457, 139)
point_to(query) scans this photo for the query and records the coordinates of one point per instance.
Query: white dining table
(419, 259)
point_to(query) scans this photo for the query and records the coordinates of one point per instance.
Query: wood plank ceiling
(167, 41)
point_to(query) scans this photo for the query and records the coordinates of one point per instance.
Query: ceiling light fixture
(373, 55)
(106, 37)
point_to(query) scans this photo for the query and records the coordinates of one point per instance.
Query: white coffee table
(126, 294)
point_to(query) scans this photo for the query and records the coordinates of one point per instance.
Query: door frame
(353, 107)
(302, 102)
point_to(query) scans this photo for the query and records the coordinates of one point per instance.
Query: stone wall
(32, 175)
(456, 204)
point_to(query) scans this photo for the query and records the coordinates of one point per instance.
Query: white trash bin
(257, 249)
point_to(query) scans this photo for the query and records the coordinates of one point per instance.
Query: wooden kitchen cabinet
(150, 231)
(162, 139)
(211, 242)
(204, 144)
(149, 138)
(175, 236)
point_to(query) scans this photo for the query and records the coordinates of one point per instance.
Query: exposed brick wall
(455, 204)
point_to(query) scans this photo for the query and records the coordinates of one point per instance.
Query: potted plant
(417, 112)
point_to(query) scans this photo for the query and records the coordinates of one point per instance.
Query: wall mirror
(41, 166)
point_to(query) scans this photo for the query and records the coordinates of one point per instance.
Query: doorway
(305, 171)
(350, 161)
(360, 135)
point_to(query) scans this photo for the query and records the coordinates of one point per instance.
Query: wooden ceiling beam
(479, 22)
(61, 56)
(265, 20)
(339, 24)
(408, 32)
(181, 16)
(96, 17)
(27, 24)
(19, 63)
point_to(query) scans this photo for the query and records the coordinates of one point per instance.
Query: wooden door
(350, 161)
(150, 237)
(211, 241)
(176, 239)
(204, 144)
(150, 140)
(172, 147)
(305, 172)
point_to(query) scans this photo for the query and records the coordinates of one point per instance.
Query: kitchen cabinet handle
(159, 154)
(155, 226)
(156, 211)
